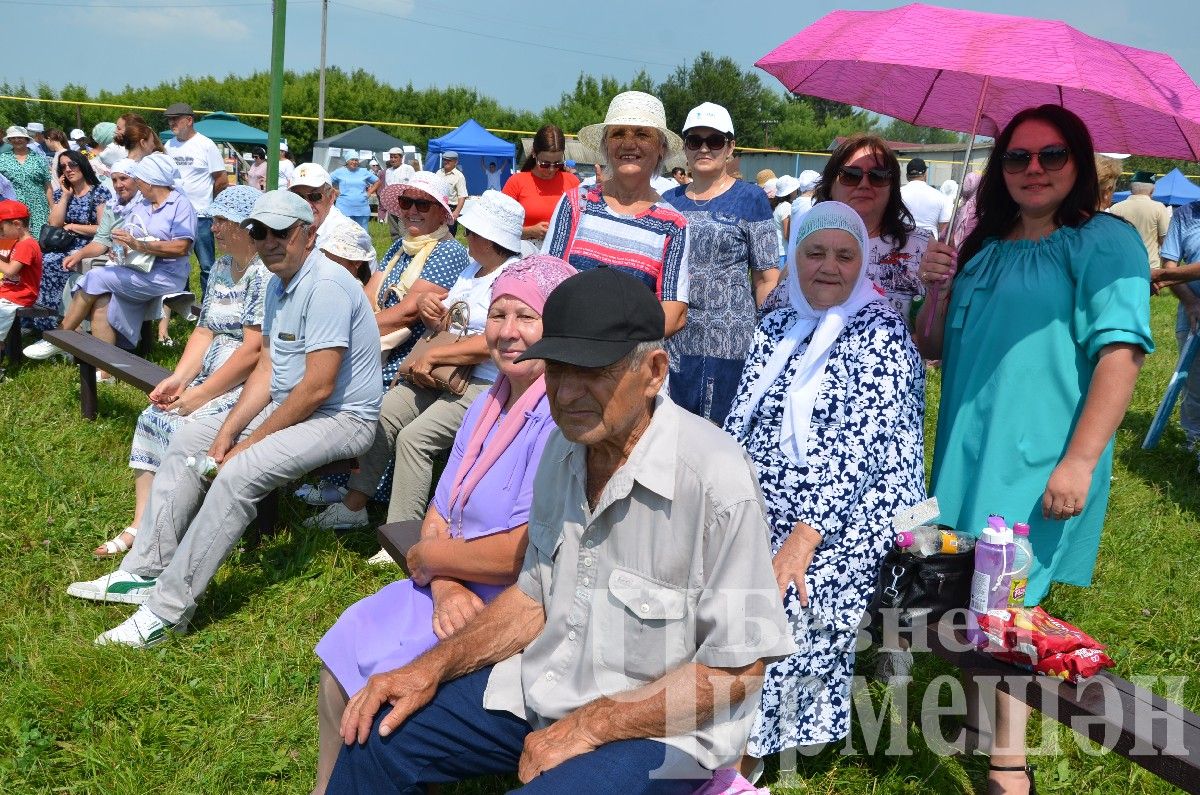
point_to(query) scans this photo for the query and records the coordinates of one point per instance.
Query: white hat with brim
(786, 184)
(426, 185)
(35, 127)
(632, 109)
(280, 209)
(77, 133)
(310, 175)
(809, 179)
(343, 243)
(17, 131)
(395, 150)
(496, 216)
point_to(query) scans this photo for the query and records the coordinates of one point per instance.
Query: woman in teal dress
(1041, 338)
(30, 176)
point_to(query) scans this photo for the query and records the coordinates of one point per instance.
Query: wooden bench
(12, 343)
(92, 354)
(1157, 734)
(268, 507)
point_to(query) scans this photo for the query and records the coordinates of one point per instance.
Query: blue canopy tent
(225, 127)
(1172, 190)
(476, 147)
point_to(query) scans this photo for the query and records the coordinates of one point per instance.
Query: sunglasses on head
(550, 163)
(1050, 158)
(407, 203)
(259, 231)
(716, 141)
(851, 176)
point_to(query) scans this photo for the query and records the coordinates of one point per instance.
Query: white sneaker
(338, 517)
(381, 558)
(41, 350)
(120, 586)
(141, 630)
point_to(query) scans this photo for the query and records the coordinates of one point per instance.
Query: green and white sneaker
(141, 630)
(120, 586)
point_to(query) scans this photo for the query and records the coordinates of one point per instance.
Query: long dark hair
(549, 138)
(897, 220)
(81, 162)
(995, 208)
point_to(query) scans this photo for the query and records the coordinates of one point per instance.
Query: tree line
(765, 117)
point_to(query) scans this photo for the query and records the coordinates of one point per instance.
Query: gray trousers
(1189, 401)
(190, 526)
(418, 423)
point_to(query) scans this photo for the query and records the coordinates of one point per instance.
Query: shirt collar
(653, 460)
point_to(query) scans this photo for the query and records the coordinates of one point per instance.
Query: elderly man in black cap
(631, 649)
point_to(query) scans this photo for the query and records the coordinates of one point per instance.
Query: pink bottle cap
(904, 539)
(1020, 529)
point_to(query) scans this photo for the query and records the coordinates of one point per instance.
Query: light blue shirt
(324, 307)
(1182, 245)
(352, 190)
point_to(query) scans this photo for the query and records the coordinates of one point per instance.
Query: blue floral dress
(228, 307)
(80, 210)
(865, 464)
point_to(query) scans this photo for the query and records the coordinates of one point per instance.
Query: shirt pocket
(641, 625)
(544, 541)
(280, 347)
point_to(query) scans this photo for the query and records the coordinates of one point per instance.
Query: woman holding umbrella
(1051, 293)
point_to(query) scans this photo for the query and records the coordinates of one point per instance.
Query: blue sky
(522, 53)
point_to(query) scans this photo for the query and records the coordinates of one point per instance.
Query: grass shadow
(1169, 466)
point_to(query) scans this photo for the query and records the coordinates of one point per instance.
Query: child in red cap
(20, 263)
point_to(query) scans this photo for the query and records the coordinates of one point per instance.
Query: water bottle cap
(1020, 529)
(904, 539)
(996, 536)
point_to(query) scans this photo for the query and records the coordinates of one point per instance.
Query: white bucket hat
(809, 179)
(786, 184)
(17, 131)
(346, 244)
(635, 109)
(496, 216)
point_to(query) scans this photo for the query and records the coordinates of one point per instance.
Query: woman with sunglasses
(733, 265)
(1052, 300)
(78, 206)
(864, 173)
(540, 183)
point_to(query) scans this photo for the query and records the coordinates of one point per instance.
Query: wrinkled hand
(938, 267)
(454, 605)
(793, 559)
(540, 229)
(406, 689)
(221, 447)
(548, 748)
(420, 369)
(188, 402)
(1066, 491)
(167, 392)
(418, 568)
(432, 313)
(72, 260)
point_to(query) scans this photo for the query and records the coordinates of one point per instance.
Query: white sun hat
(809, 179)
(709, 114)
(786, 184)
(633, 109)
(348, 245)
(496, 216)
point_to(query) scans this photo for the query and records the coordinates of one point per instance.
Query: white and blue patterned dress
(228, 307)
(865, 463)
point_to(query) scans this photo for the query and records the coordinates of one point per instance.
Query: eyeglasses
(67, 165)
(714, 142)
(259, 231)
(407, 203)
(556, 164)
(1050, 158)
(851, 176)
(312, 197)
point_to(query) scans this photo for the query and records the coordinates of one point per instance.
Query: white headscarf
(823, 325)
(156, 169)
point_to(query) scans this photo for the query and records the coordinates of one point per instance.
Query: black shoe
(1028, 770)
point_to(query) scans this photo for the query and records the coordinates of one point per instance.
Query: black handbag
(55, 240)
(915, 586)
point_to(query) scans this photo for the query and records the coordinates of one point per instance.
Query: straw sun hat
(634, 109)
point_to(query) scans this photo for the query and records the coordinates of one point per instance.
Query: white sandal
(117, 545)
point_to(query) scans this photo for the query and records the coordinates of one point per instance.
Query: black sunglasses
(714, 142)
(851, 176)
(1050, 158)
(550, 164)
(407, 203)
(259, 231)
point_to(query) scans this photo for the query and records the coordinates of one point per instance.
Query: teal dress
(1025, 327)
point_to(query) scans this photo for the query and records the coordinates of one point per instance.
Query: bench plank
(12, 344)
(92, 354)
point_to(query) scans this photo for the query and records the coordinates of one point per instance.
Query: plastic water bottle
(994, 555)
(927, 540)
(1022, 563)
(206, 466)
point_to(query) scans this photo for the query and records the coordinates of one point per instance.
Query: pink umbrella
(972, 72)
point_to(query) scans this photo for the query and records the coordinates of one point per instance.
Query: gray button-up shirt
(673, 566)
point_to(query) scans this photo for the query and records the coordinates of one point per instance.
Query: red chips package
(1054, 636)
(1074, 665)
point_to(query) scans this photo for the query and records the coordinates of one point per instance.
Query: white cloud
(179, 24)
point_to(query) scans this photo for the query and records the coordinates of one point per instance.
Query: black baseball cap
(917, 166)
(595, 318)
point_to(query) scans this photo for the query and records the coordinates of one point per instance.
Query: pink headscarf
(530, 280)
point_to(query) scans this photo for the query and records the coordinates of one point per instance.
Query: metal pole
(278, 26)
(321, 79)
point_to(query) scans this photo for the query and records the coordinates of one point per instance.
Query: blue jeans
(706, 386)
(362, 220)
(205, 250)
(454, 738)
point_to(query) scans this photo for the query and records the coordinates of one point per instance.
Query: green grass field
(230, 707)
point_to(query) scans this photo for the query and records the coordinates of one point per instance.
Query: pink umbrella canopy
(1132, 100)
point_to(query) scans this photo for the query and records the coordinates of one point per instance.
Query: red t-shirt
(22, 289)
(539, 196)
